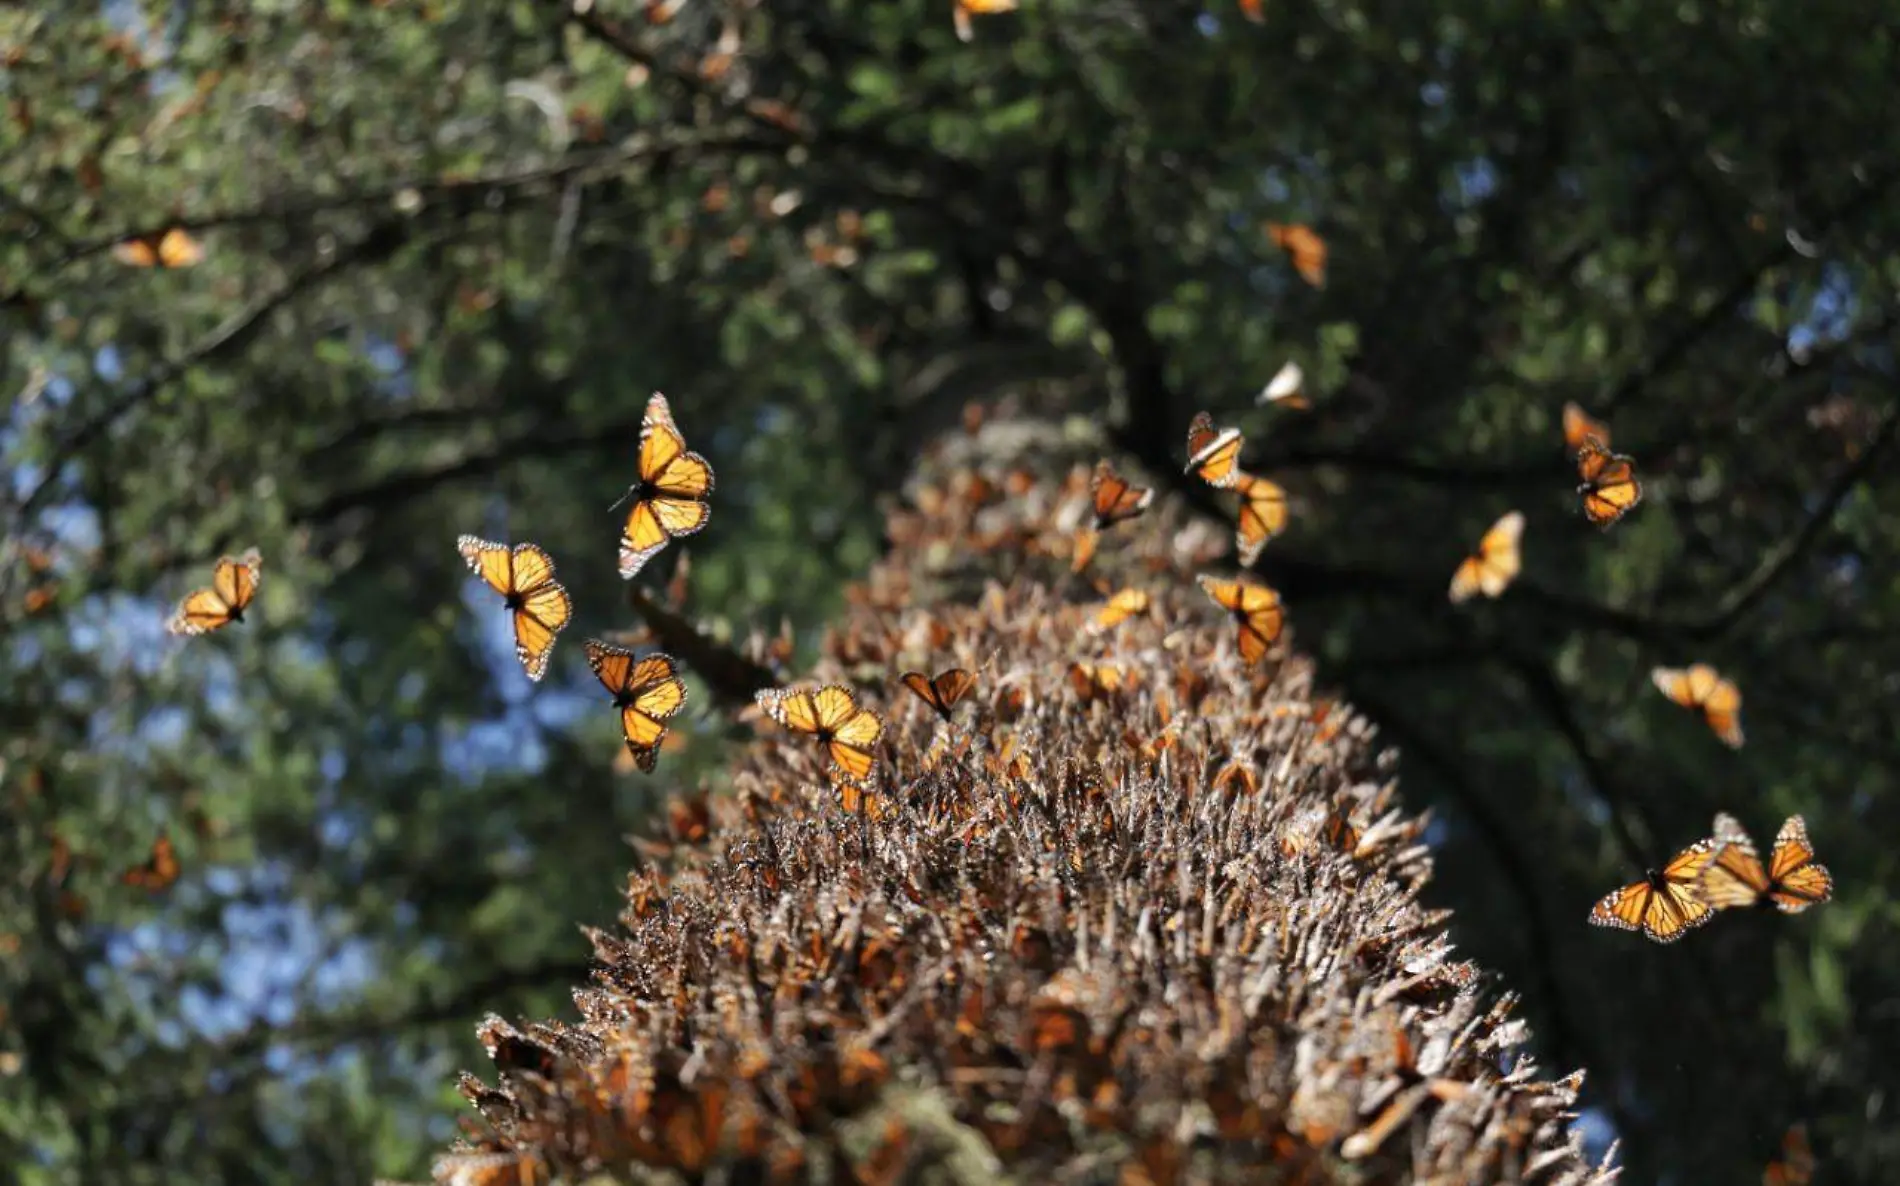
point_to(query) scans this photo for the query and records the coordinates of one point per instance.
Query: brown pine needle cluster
(1137, 912)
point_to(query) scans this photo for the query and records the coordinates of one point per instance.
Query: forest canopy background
(449, 249)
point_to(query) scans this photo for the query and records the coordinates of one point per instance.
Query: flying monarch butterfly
(487, 1169)
(669, 496)
(1115, 499)
(1095, 681)
(1254, 606)
(1663, 905)
(1213, 454)
(965, 9)
(1491, 569)
(646, 691)
(1698, 687)
(1285, 389)
(173, 249)
(1306, 248)
(1253, 10)
(234, 585)
(1795, 1166)
(941, 691)
(1792, 881)
(1580, 427)
(832, 713)
(1262, 516)
(1120, 607)
(159, 871)
(524, 576)
(1609, 488)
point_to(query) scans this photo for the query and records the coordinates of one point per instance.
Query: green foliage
(450, 247)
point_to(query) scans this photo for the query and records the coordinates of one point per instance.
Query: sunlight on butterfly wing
(941, 691)
(965, 9)
(1285, 389)
(1214, 453)
(1305, 247)
(1579, 427)
(1496, 563)
(1734, 877)
(1609, 487)
(1796, 882)
(1120, 607)
(1255, 608)
(1114, 499)
(1701, 689)
(1663, 905)
(234, 583)
(670, 493)
(1263, 515)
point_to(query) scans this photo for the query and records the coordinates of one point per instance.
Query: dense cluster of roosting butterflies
(669, 499)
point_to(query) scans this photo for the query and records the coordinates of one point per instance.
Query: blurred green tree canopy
(450, 247)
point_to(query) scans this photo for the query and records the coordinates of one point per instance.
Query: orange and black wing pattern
(1664, 905)
(1255, 608)
(524, 576)
(942, 690)
(1792, 880)
(1609, 487)
(233, 586)
(1121, 606)
(1699, 687)
(669, 496)
(647, 691)
(1214, 453)
(1491, 569)
(173, 249)
(1115, 499)
(1579, 428)
(832, 714)
(157, 872)
(1262, 516)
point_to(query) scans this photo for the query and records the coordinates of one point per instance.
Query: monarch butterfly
(1213, 454)
(1795, 1166)
(1306, 248)
(1093, 681)
(524, 576)
(1700, 688)
(1792, 880)
(941, 691)
(669, 496)
(1492, 568)
(833, 715)
(1663, 905)
(1609, 488)
(234, 585)
(1285, 389)
(1254, 606)
(1580, 427)
(156, 873)
(1262, 516)
(646, 691)
(173, 249)
(487, 1169)
(960, 16)
(1119, 608)
(1115, 499)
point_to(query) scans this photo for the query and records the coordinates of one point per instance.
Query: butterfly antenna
(624, 497)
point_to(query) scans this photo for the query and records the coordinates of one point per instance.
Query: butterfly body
(669, 493)
(1664, 905)
(1791, 881)
(1214, 453)
(833, 716)
(941, 691)
(1700, 688)
(1255, 609)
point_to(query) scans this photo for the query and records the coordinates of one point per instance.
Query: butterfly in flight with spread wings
(1306, 248)
(1214, 453)
(1112, 499)
(1262, 516)
(156, 873)
(1255, 607)
(1609, 488)
(942, 690)
(832, 714)
(1579, 427)
(1287, 389)
(173, 249)
(1663, 905)
(1121, 606)
(524, 576)
(1792, 881)
(233, 586)
(646, 691)
(669, 495)
(1698, 687)
(1492, 568)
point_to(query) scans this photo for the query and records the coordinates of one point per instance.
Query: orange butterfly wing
(234, 585)
(1495, 565)
(1306, 248)
(1263, 515)
(1214, 454)
(1609, 489)
(524, 576)
(1115, 500)
(1254, 606)
(646, 691)
(158, 872)
(942, 691)
(1795, 1166)
(670, 497)
(1700, 688)
(1124, 605)
(1797, 882)
(1663, 905)
(1579, 427)
(1734, 877)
